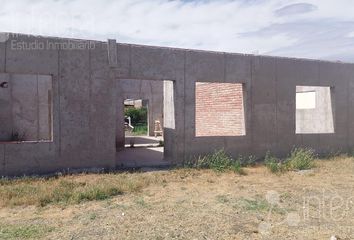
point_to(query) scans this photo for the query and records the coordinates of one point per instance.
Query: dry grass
(187, 204)
(69, 189)
(30, 231)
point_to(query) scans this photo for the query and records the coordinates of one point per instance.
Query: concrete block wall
(85, 100)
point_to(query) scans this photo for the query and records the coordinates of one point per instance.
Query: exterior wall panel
(85, 102)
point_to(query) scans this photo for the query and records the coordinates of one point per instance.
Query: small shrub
(301, 159)
(247, 161)
(137, 115)
(141, 202)
(236, 166)
(140, 129)
(92, 194)
(219, 161)
(259, 205)
(351, 152)
(273, 164)
(93, 216)
(333, 154)
(222, 198)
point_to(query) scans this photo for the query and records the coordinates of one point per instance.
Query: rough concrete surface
(86, 101)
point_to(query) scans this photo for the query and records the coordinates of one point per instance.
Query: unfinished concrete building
(61, 102)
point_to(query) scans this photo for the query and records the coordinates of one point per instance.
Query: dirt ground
(202, 204)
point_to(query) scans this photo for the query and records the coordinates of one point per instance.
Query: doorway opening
(145, 109)
(138, 130)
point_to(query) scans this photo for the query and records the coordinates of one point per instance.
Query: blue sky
(319, 29)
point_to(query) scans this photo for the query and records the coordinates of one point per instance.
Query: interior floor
(147, 152)
(143, 141)
(141, 157)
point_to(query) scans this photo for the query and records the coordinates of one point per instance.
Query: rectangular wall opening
(26, 108)
(314, 111)
(136, 121)
(137, 125)
(145, 122)
(219, 109)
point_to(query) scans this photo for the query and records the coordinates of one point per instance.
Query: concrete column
(45, 107)
(120, 136)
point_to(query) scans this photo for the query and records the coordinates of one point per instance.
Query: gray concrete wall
(6, 109)
(158, 64)
(24, 101)
(85, 97)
